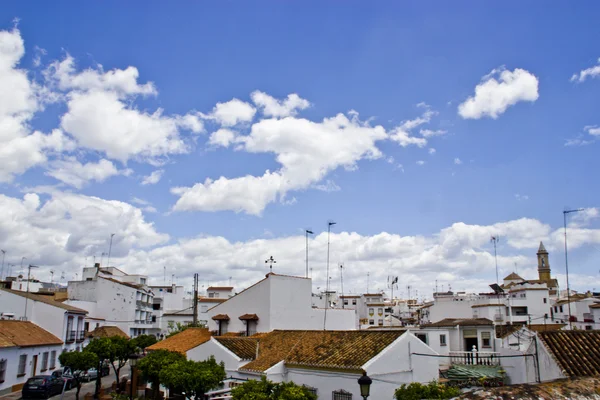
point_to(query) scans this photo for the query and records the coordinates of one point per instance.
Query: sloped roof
(249, 317)
(513, 277)
(221, 317)
(503, 331)
(183, 341)
(46, 300)
(446, 322)
(542, 249)
(220, 288)
(576, 352)
(107, 331)
(243, 347)
(25, 334)
(210, 300)
(321, 349)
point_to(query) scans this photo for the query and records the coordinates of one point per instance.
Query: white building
(168, 300)
(219, 292)
(583, 307)
(62, 320)
(327, 362)
(117, 298)
(25, 350)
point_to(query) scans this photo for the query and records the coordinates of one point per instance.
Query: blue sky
(506, 161)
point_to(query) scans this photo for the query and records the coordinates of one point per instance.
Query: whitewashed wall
(221, 354)
(12, 354)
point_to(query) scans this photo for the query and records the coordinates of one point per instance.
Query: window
(44, 361)
(311, 389)
(211, 295)
(371, 322)
(380, 322)
(345, 302)
(588, 327)
(341, 395)
(22, 364)
(555, 309)
(53, 359)
(156, 306)
(143, 281)
(545, 300)
(486, 339)
(371, 311)
(353, 302)
(561, 309)
(380, 311)
(442, 340)
(422, 337)
(2, 369)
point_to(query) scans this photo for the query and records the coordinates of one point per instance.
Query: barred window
(44, 361)
(312, 390)
(53, 359)
(341, 395)
(22, 364)
(486, 337)
(2, 369)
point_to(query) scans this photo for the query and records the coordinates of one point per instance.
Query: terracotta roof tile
(321, 349)
(46, 300)
(513, 276)
(107, 331)
(183, 341)
(25, 334)
(220, 288)
(210, 300)
(576, 352)
(221, 317)
(459, 321)
(243, 347)
(249, 317)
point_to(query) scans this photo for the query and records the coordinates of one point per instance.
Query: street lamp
(365, 385)
(565, 212)
(133, 358)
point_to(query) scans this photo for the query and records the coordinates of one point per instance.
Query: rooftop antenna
(408, 287)
(436, 286)
(101, 257)
(62, 276)
(165, 275)
(342, 281)
(230, 281)
(368, 275)
(494, 239)
(516, 270)
(329, 225)
(172, 278)
(307, 232)
(110, 249)
(392, 283)
(270, 261)
(51, 276)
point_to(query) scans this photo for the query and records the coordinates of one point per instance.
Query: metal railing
(71, 335)
(474, 358)
(80, 336)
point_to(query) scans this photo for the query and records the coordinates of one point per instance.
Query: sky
(209, 136)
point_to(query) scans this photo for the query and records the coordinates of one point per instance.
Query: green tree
(103, 348)
(120, 350)
(78, 361)
(193, 378)
(432, 390)
(152, 365)
(266, 390)
(143, 341)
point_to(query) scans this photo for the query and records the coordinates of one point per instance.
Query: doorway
(34, 365)
(470, 342)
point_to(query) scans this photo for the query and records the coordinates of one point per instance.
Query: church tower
(543, 263)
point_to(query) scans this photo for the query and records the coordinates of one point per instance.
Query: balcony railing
(80, 336)
(474, 358)
(71, 335)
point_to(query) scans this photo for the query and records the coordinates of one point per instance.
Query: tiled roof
(321, 349)
(183, 341)
(372, 294)
(249, 317)
(459, 321)
(597, 305)
(348, 296)
(210, 300)
(25, 334)
(512, 277)
(129, 284)
(221, 317)
(107, 331)
(243, 347)
(220, 288)
(46, 300)
(576, 352)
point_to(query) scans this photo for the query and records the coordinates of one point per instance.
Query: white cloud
(521, 197)
(223, 137)
(591, 72)
(153, 178)
(402, 134)
(271, 107)
(390, 160)
(420, 162)
(76, 174)
(493, 96)
(431, 151)
(581, 140)
(427, 133)
(328, 186)
(578, 141)
(593, 130)
(232, 112)
(457, 161)
(146, 205)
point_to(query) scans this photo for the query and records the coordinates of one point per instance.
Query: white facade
(584, 310)
(34, 357)
(63, 321)
(279, 302)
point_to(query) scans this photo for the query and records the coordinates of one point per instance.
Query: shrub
(432, 390)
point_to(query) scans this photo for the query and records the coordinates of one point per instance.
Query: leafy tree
(120, 350)
(78, 361)
(103, 348)
(432, 390)
(143, 341)
(152, 365)
(267, 390)
(193, 378)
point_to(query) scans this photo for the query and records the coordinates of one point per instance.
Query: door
(34, 365)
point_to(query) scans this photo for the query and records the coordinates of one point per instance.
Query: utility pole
(394, 282)
(2, 270)
(110, 249)
(27, 297)
(307, 232)
(270, 261)
(342, 282)
(195, 320)
(329, 225)
(101, 258)
(495, 239)
(565, 212)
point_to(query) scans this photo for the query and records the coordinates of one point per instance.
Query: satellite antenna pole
(307, 232)
(368, 274)
(342, 281)
(329, 225)
(28, 279)
(494, 239)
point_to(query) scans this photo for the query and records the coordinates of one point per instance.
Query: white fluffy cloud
(591, 72)
(402, 134)
(153, 178)
(457, 161)
(427, 133)
(223, 137)
(76, 174)
(271, 107)
(499, 90)
(232, 112)
(593, 130)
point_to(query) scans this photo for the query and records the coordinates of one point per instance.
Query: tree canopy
(266, 390)
(78, 361)
(152, 365)
(193, 378)
(143, 341)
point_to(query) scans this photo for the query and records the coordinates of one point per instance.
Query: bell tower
(543, 263)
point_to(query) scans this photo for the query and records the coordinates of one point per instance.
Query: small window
(561, 308)
(2, 369)
(422, 337)
(354, 302)
(371, 311)
(143, 281)
(53, 359)
(345, 302)
(22, 364)
(211, 295)
(588, 327)
(44, 361)
(555, 309)
(442, 340)
(380, 322)
(380, 311)
(341, 395)
(486, 339)
(312, 390)
(545, 300)
(371, 322)
(156, 306)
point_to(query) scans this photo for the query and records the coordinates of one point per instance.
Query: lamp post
(133, 358)
(307, 231)
(365, 385)
(110, 249)
(3, 257)
(565, 212)
(329, 225)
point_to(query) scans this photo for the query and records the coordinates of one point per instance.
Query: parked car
(43, 386)
(65, 374)
(89, 375)
(105, 368)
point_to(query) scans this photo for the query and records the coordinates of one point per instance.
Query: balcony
(71, 335)
(474, 358)
(80, 336)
